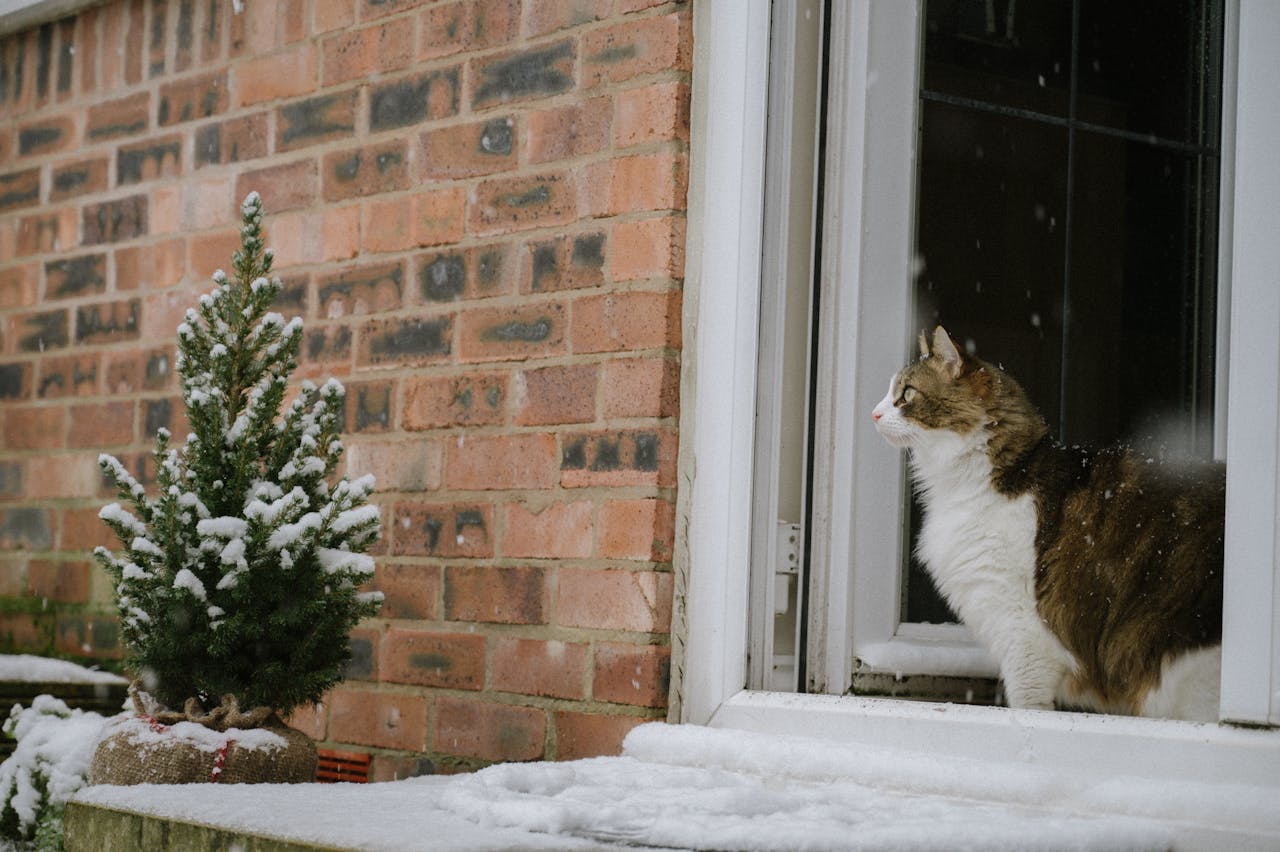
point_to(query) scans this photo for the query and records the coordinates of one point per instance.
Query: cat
(1094, 578)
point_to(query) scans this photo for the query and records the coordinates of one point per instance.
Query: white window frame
(16, 15)
(718, 387)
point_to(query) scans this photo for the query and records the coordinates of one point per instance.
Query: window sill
(17, 15)
(1215, 783)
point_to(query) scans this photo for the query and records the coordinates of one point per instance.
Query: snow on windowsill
(25, 668)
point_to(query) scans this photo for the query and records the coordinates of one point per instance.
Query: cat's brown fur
(1128, 552)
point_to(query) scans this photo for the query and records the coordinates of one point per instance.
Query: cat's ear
(945, 349)
(924, 345)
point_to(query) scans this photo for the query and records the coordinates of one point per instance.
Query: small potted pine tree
(237, 583)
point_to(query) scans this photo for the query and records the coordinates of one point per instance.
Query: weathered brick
(564, 263)
(18, 286)
(626, 321)
(126, 116)
(378, 49)
(362, 290)
(193, 98)
(583, 735)
(15, 381)
(46, 137)
(285, 74)
(40, 332)
(151, 267)
(553, 395)
(614, 599)
(58, 581)
(406, 341)
(362, 644)
(642, 529)
(315, 120)
(284, 187)
(443, 530)
(23, 528)
(478, 272)
(73, 375)
(554, 531)
(43, 233)
(657, 181)
(133, 370)
(23, 632)
(470, 399)
(11, 482)
(114, 221)
(495, 594)
(332, 15)
(34, 428)
(361, 172)
(370, 406)
(155, 158)
(81, 178)
(470, 25)
(552, 668)
(655, 113)
(501, 334)
(101, 425)
(645, 46)
(641, 387)
(82, 530)
(439, 216)
(156, 44)
(157, 414)
(75, 276)
(378, 719)
(632, 674)
(433, 96)
(508, 204)
(648, 248)
(468, 150)
(329, 344)
(410, 591)
(340, 233)
(87, 636)
(311, 719)
(428, 658)
(493, 732)
(496, 462)
(19, 189)
(616, 458)
(532, 73)
(546, 16)
(232, 141)
(108, 322)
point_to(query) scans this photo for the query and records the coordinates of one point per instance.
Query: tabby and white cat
(1094, 578)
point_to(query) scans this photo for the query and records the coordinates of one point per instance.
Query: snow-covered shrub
(48, 765)
(240, 576)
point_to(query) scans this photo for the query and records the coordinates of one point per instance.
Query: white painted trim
(1251, 611)
(718, 371)
(17, 15)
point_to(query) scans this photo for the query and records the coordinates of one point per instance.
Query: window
(867, 237)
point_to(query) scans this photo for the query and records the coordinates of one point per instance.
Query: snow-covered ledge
(1195, 764)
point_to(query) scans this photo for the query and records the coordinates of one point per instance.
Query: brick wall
(478, 209)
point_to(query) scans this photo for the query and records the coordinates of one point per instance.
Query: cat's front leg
(1032, 676)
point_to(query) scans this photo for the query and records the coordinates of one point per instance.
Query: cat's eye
(908, 395)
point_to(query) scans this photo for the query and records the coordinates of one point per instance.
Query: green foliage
(240, 576)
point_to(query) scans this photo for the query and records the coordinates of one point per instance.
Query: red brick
(378, 719)
(24, 632)
(46, 137)
(641, 387)
(469, 150)
(13, 581)
(485, 463)
(87, 636)
(340, 233)
(511, 204)
(450, 660)
(47, 233)
(569, 131)
(582, 735)
(614, 599)
(411, 591)
(655, 113)
(61, 582)
(469, 399)
(512, 334)
(84, 177)
(333, 15)
(398, 465)
(101, 425)
(370, 407)
(442, 530)
(39, 331)
(658, 181)
(626, 321)
(31, 428)
(618, 458)
(277, 75)
(193, 98)
(132, 370)
(426, 340)
(645, 46)
(490, 594)
(83, 530)
(18, 286)
(439, 216)
(648, 248)
(235, 140)
(480, 272)
(19, 189)
(367, 51)
(206, 253)
(152, 267)
(63, 475)
(448, 28)
(545, 16)
(311, 719)
(282, 187)
(371, 170)
(630, 674)
(556, 531)
(637, 529)
(536, 667)
(126, 116)
(164, 309)
(360, 290)
(556, 395)
(493, 732)
(388, 225)
(563, 263)
(73, 375)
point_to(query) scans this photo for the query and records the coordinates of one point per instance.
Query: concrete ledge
(94, 828)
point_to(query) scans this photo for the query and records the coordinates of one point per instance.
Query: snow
(185, 579)
(140, 733)
(688, 787)
(30, 669)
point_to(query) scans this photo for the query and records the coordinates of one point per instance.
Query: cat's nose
(876, 415)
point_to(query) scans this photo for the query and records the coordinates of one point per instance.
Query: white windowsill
(17, 15)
